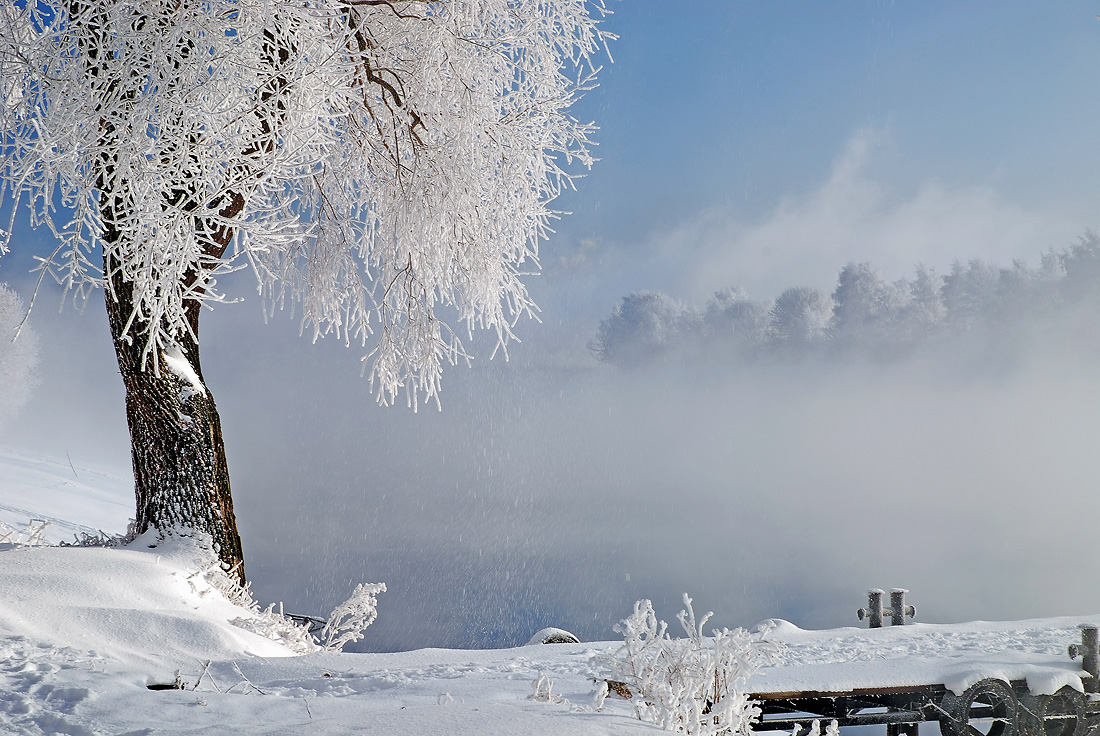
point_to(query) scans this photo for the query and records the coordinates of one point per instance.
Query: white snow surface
(953, 655)
(84, 631)
(72, 498)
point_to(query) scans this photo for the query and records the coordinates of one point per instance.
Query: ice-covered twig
(205, 673)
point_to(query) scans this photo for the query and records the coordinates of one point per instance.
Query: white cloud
(858, 216)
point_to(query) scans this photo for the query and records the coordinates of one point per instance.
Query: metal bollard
(898, 610)
(1089, 649)
(873, 612)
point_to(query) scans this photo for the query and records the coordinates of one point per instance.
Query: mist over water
(555, 490)
(557, 496)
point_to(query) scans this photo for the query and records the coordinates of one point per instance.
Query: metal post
(1089, 649)
(898, 609)
(873, 612)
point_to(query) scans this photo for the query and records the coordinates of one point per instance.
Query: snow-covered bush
(267, 622)
(345, 624)
(347, 620)
(18, 356)
(692, 685)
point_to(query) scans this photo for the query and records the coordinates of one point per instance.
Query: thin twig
(202, 674)
(243, 677)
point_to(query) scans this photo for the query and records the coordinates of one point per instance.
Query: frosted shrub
(345, 624)
(267, 622)
(347, 621)
(691, 685)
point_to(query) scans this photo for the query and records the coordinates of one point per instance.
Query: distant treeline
(865, 318)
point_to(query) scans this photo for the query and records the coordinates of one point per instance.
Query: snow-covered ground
(85, 631)
(74, 500)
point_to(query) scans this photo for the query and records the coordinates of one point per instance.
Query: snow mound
(84, 632)
(551, 635)
(147, 606)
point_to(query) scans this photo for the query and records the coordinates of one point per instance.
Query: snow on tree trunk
(181, 478)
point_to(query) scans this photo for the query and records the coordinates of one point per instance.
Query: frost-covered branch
(388, 166)
(348, 620)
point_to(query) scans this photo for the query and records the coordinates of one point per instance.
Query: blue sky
(762, 144)
(724, 111)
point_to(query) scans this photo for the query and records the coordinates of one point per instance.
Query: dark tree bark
(181, 478)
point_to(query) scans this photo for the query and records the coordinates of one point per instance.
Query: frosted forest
(980, 309)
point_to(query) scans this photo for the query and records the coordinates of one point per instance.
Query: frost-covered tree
(735, 319)
(858, 302)
(1080, 265)
(969, 292)
(800, 316)
(867, 310)
(18, 355)
(384, 163)
(924, 311)
(645, 326)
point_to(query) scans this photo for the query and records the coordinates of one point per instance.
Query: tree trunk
(181, 478)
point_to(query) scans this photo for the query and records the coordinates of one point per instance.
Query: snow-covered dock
(953, 655)
(1011, 675)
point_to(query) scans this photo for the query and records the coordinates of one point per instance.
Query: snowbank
(84, 632)
(953, 655)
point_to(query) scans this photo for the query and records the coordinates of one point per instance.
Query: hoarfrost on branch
(346, 622)
(382, 164)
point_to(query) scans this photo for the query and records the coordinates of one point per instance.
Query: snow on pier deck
(953, 655)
